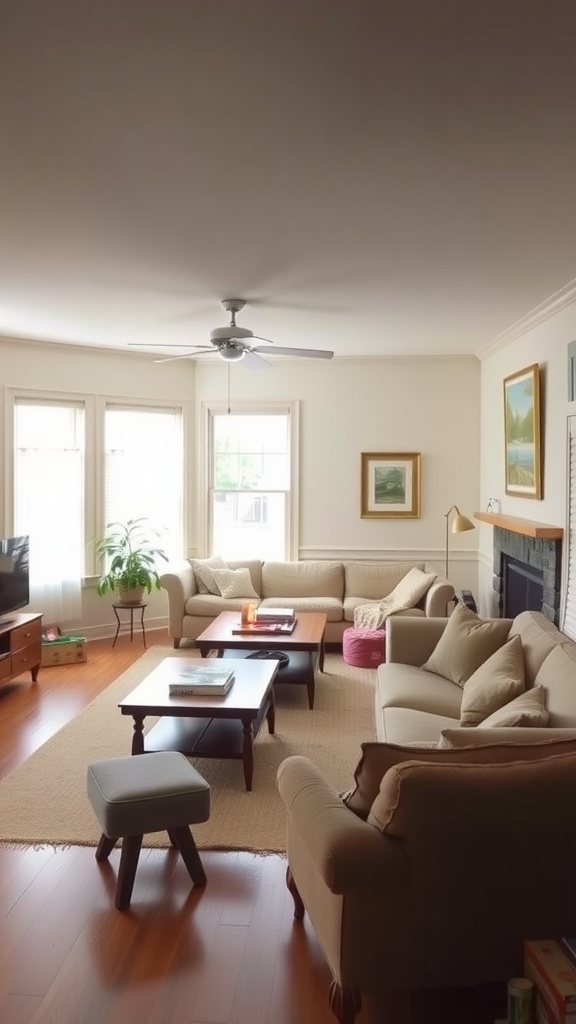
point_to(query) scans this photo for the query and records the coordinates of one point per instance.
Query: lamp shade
(460, 524)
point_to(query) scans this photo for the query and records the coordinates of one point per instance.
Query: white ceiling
(373, 176)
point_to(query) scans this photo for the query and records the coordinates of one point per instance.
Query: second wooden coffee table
(204, 726)
(307, 640)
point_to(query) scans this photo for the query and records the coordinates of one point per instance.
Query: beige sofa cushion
(405, 686)
(303, 579)
(496, 682)
(558, 674)
(404, 725)
(233, 582)
(528, 709)
(539, 637)
(465, 644)
(375, 580)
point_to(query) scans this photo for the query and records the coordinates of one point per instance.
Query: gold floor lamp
(460, 524)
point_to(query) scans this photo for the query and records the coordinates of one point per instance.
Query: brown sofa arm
(410, 641)
(180, 583)
(349, 854)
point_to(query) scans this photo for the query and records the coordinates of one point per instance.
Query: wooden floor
(230, 953)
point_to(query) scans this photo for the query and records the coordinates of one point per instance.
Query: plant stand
(141, 607)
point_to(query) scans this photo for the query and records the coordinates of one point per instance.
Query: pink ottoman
(363, 648)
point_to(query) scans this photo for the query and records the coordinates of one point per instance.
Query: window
(251, 484)
(49, 501)
(144, 470)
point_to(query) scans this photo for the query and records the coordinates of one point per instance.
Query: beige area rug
(44, 802)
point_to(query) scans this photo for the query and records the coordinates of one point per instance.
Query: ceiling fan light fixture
(231, 353)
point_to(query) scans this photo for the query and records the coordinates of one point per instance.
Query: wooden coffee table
(306, 641)
(204, 726)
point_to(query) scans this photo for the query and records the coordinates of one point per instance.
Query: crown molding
(559, 300)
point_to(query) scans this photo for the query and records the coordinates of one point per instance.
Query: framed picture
(522, 433)
(390, 485)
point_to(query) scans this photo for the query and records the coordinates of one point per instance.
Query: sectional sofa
(457, 842)
(336, 588)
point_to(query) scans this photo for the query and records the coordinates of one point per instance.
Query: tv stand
(20, 646)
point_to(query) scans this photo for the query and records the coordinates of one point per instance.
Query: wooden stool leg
(127, 870)
(182, 838)
(105, 847)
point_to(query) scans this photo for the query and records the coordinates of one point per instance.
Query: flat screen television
(14, 574)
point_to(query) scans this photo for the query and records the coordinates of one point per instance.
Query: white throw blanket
(405, 595)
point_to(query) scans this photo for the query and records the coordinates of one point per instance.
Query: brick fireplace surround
(538, 546)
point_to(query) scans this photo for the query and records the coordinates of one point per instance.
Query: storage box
(554, 977)
(67, 650)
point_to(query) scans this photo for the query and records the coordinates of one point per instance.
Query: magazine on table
(204, 679)
(264, 628)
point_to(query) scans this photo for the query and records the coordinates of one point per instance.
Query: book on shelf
(554, 977)
(569, 947)
(264, 628)
(274, 615)
(206, 679)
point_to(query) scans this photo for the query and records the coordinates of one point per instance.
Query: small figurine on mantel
(493, 506)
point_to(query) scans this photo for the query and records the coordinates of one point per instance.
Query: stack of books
(550, 965)
(203, 680)
(275, 615)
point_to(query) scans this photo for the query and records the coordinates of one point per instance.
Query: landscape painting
(390, 485)
(522, 433)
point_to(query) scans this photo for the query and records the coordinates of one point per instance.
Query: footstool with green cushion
(132, 796)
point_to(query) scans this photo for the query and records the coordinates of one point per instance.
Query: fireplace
(527, 574)
(523, 588)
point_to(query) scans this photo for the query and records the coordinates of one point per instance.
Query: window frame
(94, 457)
(203, 505)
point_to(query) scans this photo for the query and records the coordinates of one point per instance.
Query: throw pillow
(412, 587)
(498, 681)
(234, 582)
(515, 737)
(465, 644)
(529, 709)
(202, 568)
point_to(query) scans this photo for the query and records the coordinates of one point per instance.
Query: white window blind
(49, 501)
(569, 615)
(144, 472)
(250, 485)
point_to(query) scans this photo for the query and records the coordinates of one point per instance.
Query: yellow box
(64, 652)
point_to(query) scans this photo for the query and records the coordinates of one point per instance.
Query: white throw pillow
(412, 587)
(465, 644)
(498, 681)
(234, 582)
(529, 709)
(202, 568)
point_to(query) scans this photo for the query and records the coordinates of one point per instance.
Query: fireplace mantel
(527, 527)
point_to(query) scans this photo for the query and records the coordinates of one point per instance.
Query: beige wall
(346, 407)
(545, 344)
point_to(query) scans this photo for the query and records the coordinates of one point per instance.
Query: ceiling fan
(233, 343)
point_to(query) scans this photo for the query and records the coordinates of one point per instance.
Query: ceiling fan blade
(252, 361)
(311, 353)
(187, 355)
(166, 344)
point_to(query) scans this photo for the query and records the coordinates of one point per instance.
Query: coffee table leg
(247, 751)
(138, 735)
(321, 656)
(310, 681)
(271, 713)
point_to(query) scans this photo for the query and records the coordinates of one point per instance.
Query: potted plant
(130, 555)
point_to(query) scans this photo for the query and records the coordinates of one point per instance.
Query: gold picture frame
(390, 485)
(522, 451)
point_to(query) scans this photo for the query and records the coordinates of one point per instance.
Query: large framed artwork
(522, 433)
(390, 485)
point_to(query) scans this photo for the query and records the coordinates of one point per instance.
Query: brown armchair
(462, 856)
